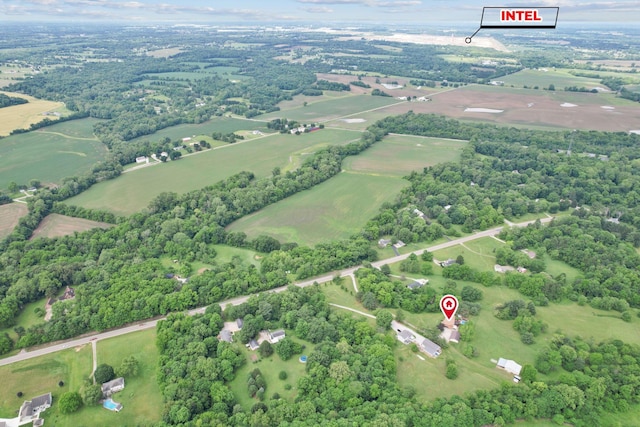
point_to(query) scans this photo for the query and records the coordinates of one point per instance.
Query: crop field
(398, 155)
(217, 124)
(23, 115)
(10, 214)
(41, 375)
(80, 128)
(329, 211)
(56, 225)
(48, 155)
(522, 107)
(329, 109)
(133, 191)
(560, 78)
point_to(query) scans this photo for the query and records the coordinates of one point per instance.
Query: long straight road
(25, 355)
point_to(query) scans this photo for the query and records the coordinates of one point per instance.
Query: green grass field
(48, 155)
(270, 368)
(226, 253)
(483, 262)
(41, 375)
(325, 109)
(133, 191)
(217, 124)
(560, 78)
(329, 211)
(397, 155)
(141, 399)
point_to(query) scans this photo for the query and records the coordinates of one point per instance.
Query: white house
(142, 159)
(509, 366)
(113, 386)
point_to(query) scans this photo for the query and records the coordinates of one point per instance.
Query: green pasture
(49, 154)
(328, 109)
(560, 78)
(329, 211)
(216, 124)
(484, 262)
(133, 191)
(397, 155)
(226, 253)
(80, 128)
(41, 375)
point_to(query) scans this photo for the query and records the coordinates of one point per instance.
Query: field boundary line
(68, 136)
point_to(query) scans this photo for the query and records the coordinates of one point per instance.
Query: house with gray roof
(276, 336)
(405, 336)
(30, 409)
(253, 345)
(225, 335)
(431, 348)
(113, 386)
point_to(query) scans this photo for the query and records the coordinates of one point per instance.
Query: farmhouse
(112, 386)
(417, 284)
(509, 366)
(142, 159)
(253, 345)
(69, 293)
(30, 409)
(383, 243)
(226, 336)
(399, 244)
(502, 268)
(405, 336)
(448, 263)
(276, 336)
(431, 348)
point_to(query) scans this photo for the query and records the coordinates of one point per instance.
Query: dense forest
(7, 101)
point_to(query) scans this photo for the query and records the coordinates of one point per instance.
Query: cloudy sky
(320, 11)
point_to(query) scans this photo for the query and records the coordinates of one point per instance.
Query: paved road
(25, 355)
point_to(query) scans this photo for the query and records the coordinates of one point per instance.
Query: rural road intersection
(141, 326)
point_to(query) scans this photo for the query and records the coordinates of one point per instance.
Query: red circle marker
(449, 306)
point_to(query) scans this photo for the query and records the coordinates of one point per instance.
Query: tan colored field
(165, 53)
(528, 107)
(457, 40)
(616, 64)
(55, 225)
(407, 90)
(9, 216)
(24, 115)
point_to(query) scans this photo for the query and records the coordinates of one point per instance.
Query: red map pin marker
(449, 306)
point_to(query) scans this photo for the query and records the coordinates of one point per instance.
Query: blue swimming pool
(111, 405)
(303, 359)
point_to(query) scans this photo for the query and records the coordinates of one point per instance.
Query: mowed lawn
(332, 210)
(10, 214)
(141, 399)
(217, 124)
(56, 225)
(41, 375)
(47, 155)
(133, 191)
(270, 369)
(24, 115)
(398, 155)
(325, 109)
